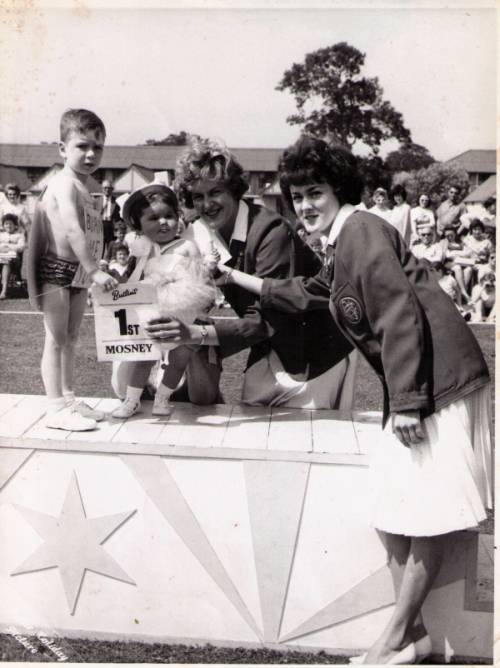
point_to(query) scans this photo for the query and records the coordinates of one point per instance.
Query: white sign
(92, 226)
(119, 335)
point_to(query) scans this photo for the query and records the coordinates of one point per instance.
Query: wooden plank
(165, 450)
(23, 415)
(248, 428)
(142, 427)
(290, 429)
(196, 426)
(333, 431)
(8, 401)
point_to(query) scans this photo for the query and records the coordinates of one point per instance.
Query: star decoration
(73, 543)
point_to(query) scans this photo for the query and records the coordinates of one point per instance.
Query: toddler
(120, 268)
(11, 246)
(175, 266)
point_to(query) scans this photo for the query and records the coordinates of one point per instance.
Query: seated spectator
(119, 231)
(400, 213)
(483, 298)
(12, 243)
(428, 249)
(121, 267)
(459, 260)
(12, 204)
(477, 242)
(381, 206)
(421, 216)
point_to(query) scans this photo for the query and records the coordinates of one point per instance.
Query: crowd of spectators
(460, 248)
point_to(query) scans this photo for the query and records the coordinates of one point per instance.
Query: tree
(346, 106)
(408, 158)
(173, 139)
(374, 172)
(434, 180)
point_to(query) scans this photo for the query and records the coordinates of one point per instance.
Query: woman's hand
(173, 331)
(407, 426)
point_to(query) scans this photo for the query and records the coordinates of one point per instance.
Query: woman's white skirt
(266, 383)
(443, 484)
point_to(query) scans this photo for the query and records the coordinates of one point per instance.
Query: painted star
(73, 543)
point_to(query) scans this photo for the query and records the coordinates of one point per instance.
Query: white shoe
(70, 420)
(86, 411)
(126, 409)
(161, 406)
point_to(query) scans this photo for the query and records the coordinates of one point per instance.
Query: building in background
(479, 165)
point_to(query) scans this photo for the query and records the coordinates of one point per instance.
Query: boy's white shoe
(161, 406)
(69, 419)
(126, 409)
(86, 411)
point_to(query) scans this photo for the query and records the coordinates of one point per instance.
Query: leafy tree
(174, 139)
(347, 106)
(434, 180)
(374, 172)
(408, 158)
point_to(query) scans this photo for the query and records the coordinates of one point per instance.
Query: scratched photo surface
(224, 533)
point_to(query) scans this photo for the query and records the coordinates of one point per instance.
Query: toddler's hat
(143, 193)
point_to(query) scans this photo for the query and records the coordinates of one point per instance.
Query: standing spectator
(110, 212)
(12, 204)
(400, 213)
(421, 216)
(450, 211)
(120, 230)
(381, 206)
(11, 247)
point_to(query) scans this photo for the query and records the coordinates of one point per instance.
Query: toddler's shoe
(161, 406)
(86, 411)
(126, 409)
(70, 420)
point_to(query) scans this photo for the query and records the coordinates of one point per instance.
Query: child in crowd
(58, 246)
(176, 267)
(483, 298)
(121, 267)
(119, 231)
(11, 246)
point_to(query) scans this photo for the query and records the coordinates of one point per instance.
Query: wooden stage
(222, 431)
(232, 525)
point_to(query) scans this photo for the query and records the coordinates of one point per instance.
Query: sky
(149, 72)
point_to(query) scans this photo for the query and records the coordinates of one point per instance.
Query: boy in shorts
(65, 205)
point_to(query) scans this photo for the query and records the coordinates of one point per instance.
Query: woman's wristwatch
(204, 335)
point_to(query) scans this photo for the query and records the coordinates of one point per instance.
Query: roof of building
(487, 189)
(14, 175)
(477, 160)
(121, 157)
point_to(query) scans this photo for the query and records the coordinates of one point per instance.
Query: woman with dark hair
(298, 360)
(400, 212)
(432, 475)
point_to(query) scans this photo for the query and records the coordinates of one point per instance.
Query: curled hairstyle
(122, 248)
(208, 159)
(13, 186)
(312, 160)
(13, 219)
(80, 120)
(143, 198)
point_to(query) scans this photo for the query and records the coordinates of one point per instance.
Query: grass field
(21, 337)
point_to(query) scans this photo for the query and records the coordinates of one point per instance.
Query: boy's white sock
(56, 404)
(134, 394)
(69, 397)
(163, 392)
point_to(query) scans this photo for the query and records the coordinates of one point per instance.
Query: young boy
(120, 267)
(65, 205)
